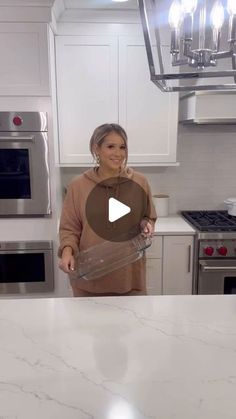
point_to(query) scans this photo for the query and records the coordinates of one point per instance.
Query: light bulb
(231, 7)
(175, 15)
(217, 15)
(189, 6)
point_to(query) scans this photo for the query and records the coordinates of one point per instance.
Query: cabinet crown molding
(31, 10)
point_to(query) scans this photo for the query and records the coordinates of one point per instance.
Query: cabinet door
(149, 115)
(155, 250)
(87, 92)
(177, 265)
(154, 276)
(154, 267)
(24, 66)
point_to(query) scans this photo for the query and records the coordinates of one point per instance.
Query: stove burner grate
(211, 220)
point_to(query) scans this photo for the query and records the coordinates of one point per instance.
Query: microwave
(24, 164)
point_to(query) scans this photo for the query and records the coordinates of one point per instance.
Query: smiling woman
(84, 216)
(108, 146)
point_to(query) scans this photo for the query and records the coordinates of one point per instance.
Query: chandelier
(190, 44)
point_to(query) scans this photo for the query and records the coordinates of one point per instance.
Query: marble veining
(154, 357)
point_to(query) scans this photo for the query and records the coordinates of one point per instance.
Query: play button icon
(117, 210)
(115, 207)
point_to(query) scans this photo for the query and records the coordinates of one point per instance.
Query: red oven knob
(17, 120)
(209, 250)
(222, 250)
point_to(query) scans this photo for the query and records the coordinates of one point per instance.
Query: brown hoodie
(76, 232)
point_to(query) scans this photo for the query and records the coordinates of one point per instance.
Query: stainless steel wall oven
(26, 267)
(24, 166)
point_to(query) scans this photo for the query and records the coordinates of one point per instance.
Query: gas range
(216, 232)
(215, 251)
(213, 221)
(212, 224)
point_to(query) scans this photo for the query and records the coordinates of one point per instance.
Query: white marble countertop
(118, 358)
(173, 225)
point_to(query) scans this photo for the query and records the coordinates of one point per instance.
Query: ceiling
(10, 3)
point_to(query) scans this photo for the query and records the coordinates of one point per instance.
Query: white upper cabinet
(104, 79)
(149, 115)
(87, 92)
(24, 69)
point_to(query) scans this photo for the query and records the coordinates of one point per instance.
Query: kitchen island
(118, 358)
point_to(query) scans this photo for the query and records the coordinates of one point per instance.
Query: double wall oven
(25, 266)
(24, 166)
(215, 251)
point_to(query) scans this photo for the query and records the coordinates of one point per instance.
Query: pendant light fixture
(190, 44)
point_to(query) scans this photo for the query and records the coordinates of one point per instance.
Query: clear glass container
(108, 256)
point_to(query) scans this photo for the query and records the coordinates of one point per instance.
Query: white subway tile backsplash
(206, 175)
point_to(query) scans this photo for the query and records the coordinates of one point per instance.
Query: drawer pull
(189, 257)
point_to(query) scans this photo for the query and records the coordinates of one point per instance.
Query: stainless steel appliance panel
(23, 121)
(26, 267)
(217, 276)
(35, 196)
(24, 166)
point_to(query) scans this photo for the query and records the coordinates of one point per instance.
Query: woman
(108, 146)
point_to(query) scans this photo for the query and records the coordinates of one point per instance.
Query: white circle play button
(117, 210)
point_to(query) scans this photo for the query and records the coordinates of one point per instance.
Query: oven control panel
(217, 248)
(23, 121)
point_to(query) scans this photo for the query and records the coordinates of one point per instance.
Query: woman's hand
(67, 262)
(147, 228)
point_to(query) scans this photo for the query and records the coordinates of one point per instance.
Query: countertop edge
(173, 225)
(175, 233)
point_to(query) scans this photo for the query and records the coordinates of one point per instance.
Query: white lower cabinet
(177, 271)
(170, 265)
(154, 267)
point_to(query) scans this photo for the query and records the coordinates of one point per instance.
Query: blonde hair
(102, 131)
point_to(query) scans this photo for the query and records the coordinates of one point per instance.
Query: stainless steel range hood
(208, 108)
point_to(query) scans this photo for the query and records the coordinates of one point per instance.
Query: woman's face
(112, 152)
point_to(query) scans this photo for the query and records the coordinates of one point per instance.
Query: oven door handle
(17, 139)
(206, 268)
